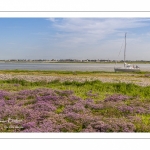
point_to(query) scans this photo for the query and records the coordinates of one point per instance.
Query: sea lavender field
(47, 110)
(71, 106)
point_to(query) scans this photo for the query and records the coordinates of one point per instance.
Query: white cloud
(100, 38)
(98, 29)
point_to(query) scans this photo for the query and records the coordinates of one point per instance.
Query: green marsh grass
(81, 89)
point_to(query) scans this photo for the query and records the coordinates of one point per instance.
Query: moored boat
(127, 67)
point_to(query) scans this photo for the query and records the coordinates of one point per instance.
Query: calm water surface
(66, 66)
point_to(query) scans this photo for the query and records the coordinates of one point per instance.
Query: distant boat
(127, 67)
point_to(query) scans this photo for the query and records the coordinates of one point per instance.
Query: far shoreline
(70, 62)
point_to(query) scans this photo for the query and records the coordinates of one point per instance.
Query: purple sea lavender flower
(140, 110)
(73, 116)
(116, 98)
(2, 103)
(100, 126)
(31, 130)
(78, 107)
(67, 127)
(29, 125)
(46, 126)
(126, 109)
(120, 125)
(44, 106)
(92, 105)
(89, 129)
(91, 101)
(96, 106)
(11, 102)
(3, 94)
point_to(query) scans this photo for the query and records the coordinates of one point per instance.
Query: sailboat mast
(125, 50)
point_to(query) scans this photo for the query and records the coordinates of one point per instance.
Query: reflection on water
(66, 66)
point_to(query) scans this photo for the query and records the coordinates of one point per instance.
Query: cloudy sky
(74, 38)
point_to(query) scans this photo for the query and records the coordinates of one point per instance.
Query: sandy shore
(141, 80)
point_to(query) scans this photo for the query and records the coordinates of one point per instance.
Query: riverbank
(141, 79)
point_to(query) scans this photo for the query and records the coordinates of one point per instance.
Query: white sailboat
(127, 67)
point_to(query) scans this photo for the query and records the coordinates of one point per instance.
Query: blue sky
(74, 38)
